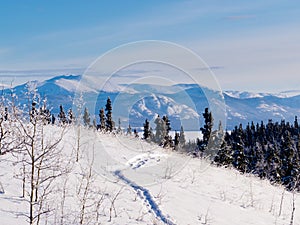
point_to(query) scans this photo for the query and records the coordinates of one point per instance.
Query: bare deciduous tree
(40, 161)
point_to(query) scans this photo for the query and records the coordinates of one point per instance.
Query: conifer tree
(182, 137)
(168, 142)
(289, 157)
(296, 125)
(224, 156)
(33, 112)
(102, 119)
(52, 119)
(86, 118)
(129, 131)
(109, 121)
(206, 130)
(176, 140)
(5, 116)
(70, 116)
(94, 123)
(239, 159)
(151, 135)
(136, 134)
(146, 133)
(160, 130)
(167, 124)
(119, 126)
(62, 115)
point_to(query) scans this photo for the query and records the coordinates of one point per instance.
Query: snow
(147, 105)
(288, 94)
(146, 159)
(244, 95)
(155, 186)
(142, 106)
(273, 107)
(74, 85)
(146, 196)
(248, 95)
(235, 114)
(92, 84)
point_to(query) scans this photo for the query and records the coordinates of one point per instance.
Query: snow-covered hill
(135, 182)
(183, 103)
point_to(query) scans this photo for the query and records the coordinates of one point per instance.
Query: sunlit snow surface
(185, 190)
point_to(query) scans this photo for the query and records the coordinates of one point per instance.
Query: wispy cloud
(4, 51)
(241, 41)
(264, 60)
(240, 17)
(24, 73)
(210, 68)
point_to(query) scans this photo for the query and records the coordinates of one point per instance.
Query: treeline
(162, 136)
(269, 150)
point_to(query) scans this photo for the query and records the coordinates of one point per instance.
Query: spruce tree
(5, 114)
(109, 121)
(182, 137)
(151, 135)
(136, 134)
(94, 123)
(167, 124)
(52, 119)
(176, 141)
(119, 126)
(296, 127)
(146, 133)
(33, 112)
(102, 119)
(206, 130)
(70, 116)
(289, 158)
(62, 115)
(239, 159)
(224, 156)
(86, 118)
(129, 131)
(160, 130)
(168, 142)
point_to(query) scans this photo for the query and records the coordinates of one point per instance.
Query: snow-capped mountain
(183, 103)
(153, 105)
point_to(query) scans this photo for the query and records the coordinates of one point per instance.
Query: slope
(178, 188)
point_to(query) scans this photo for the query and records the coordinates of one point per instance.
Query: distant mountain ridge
(183, 103)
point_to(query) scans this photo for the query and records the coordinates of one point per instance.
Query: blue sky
(254, 44)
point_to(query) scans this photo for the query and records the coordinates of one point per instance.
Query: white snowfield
(123, 180)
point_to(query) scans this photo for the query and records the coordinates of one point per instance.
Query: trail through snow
(145, 195)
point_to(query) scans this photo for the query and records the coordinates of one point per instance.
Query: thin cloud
(240, 17)
(210, 68)
(4, 51)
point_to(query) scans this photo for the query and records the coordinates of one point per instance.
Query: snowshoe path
(145, 195)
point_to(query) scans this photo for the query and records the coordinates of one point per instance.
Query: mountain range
(183, 103)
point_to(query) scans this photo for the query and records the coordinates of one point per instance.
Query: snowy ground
(141, 183)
